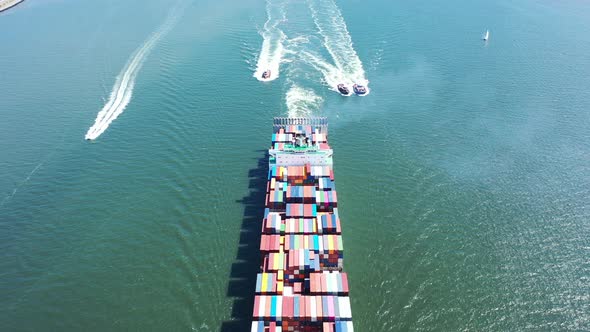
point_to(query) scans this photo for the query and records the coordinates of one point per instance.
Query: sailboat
(486, 36)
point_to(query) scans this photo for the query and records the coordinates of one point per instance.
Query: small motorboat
(266, 74)
(343, 89)
(359, 89)
(486, 35)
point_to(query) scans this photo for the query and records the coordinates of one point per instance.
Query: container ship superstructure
(301, 286)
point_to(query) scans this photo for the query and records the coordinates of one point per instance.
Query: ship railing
(321, 122)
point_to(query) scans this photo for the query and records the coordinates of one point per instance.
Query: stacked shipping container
(301, 286)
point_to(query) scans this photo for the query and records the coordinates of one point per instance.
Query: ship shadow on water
(242, 279)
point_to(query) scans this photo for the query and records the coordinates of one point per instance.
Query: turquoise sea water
(463, 177)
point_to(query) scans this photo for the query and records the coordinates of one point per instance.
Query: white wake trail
(348, 67)
(15, 190)
(123, 88)
(272, 50)
(332, 76)
(302, 102)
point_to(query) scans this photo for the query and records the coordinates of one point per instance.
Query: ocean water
(463, 176)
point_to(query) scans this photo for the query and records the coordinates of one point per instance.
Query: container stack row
(285, 137)
(301, 286)
(306, 308)
(341, 326)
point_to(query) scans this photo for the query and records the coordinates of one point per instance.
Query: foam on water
(332, 76)
(347, 68)
(301, 101)
(123, 88)
(272, 49)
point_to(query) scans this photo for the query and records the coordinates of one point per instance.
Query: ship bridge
(300, 141)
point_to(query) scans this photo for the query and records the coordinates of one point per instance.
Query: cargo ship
(301, 286)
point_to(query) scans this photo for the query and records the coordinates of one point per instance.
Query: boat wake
(123, 88)
(315, 47)
(332, 76)
(347, 67)
(272, 49)
(302, 102)
(15, 190)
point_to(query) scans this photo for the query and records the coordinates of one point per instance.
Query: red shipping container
(256, 305)
(289, 307)
(267, 307)
(318, 305)
(318, 283)
(302, 307)
(345, 283)
(263, 243)
(312, 282)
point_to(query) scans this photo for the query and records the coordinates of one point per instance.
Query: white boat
(486, 36)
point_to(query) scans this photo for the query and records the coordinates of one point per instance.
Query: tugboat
(266, 74)
(343, 89)
(359, 89)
